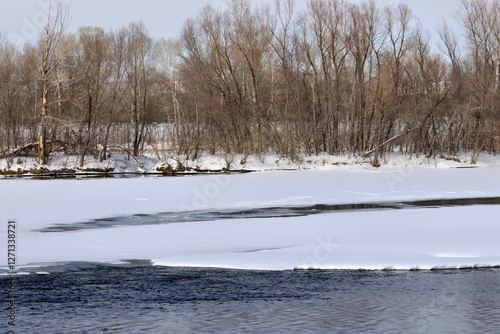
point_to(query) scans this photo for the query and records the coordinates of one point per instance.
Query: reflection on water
(88, 298)
(269, 212)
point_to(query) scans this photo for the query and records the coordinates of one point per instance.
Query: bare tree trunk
(54, 30)
(43, 128)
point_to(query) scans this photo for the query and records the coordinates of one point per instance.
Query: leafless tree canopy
(340, 77)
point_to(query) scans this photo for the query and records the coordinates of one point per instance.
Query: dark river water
(265, 212)
(140, 298)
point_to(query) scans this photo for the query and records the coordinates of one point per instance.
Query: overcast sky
(21, 20)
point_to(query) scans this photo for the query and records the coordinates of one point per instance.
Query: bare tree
(10, 98)
(480, 18)
(115, 95)
(57, 22)
(139, 50)
(95, 70)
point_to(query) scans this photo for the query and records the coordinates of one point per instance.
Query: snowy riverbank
(151, 164)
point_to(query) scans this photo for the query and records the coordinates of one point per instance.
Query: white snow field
(425, 238)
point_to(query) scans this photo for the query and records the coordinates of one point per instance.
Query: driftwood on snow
(22, 151)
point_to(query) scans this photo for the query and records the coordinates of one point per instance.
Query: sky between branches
(22, 21)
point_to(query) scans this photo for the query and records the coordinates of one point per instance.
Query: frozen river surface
(154, 255)
(346, 219)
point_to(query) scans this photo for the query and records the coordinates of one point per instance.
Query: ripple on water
(141, 298)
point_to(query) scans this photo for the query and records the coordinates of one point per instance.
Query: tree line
(339, 77)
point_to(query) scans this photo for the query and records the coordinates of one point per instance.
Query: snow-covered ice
(369, 239)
